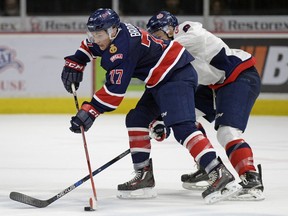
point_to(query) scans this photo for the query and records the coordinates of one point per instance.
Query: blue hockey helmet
(103, 19)
(160, 21)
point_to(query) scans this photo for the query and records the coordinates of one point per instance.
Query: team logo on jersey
(113, 48)
(7, 60)
(186, 28)
(116, 56)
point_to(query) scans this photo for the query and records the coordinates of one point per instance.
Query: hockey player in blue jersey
(229, 82)
(170, 81)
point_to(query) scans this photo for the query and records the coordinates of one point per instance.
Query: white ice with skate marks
(40, 157)
(145, 193)
(201, 185)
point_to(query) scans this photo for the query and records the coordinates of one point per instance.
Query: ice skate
(222, 185)
(195, 181)
(141, 186)
(252, 187)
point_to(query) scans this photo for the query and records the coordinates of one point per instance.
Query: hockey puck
(88, 208)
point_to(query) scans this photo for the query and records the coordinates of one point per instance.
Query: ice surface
(40, 157)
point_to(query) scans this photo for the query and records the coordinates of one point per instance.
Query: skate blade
(145, 193)
(230, 189)
(248, 195)
(202, 185)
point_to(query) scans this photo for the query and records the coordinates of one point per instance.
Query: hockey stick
(91, 203)
(22, 198)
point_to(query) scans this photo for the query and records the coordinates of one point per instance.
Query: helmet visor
(97, 36)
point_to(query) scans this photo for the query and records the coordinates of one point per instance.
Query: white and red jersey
(216, 64)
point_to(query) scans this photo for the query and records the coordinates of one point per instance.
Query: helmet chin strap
(110, 32)
(166, 30)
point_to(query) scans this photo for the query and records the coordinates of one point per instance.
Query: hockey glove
(72, 73)
(85, 117)
(158, 131)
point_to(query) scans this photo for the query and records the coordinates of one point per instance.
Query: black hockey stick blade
(19, 197)
(23, 198)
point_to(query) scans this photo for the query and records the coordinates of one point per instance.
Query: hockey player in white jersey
(229, 84)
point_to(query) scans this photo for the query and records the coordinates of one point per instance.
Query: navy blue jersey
(133, 54)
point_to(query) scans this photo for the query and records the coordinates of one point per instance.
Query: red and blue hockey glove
(85, 117)
(72, 73)
(158, 131)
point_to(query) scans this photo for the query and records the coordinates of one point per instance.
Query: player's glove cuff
(85, 117)
(71, 63)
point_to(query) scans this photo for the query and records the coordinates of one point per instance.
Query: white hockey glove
(158, 131)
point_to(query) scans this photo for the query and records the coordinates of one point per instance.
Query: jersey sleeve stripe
(138, 129)
(167, 61)
(108, 99)
(104, 103)
(111, 93)
(84, 48)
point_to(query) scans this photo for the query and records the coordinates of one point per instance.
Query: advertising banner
(272, 60)
(220, 24)
(248, 24)
(31, 65)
